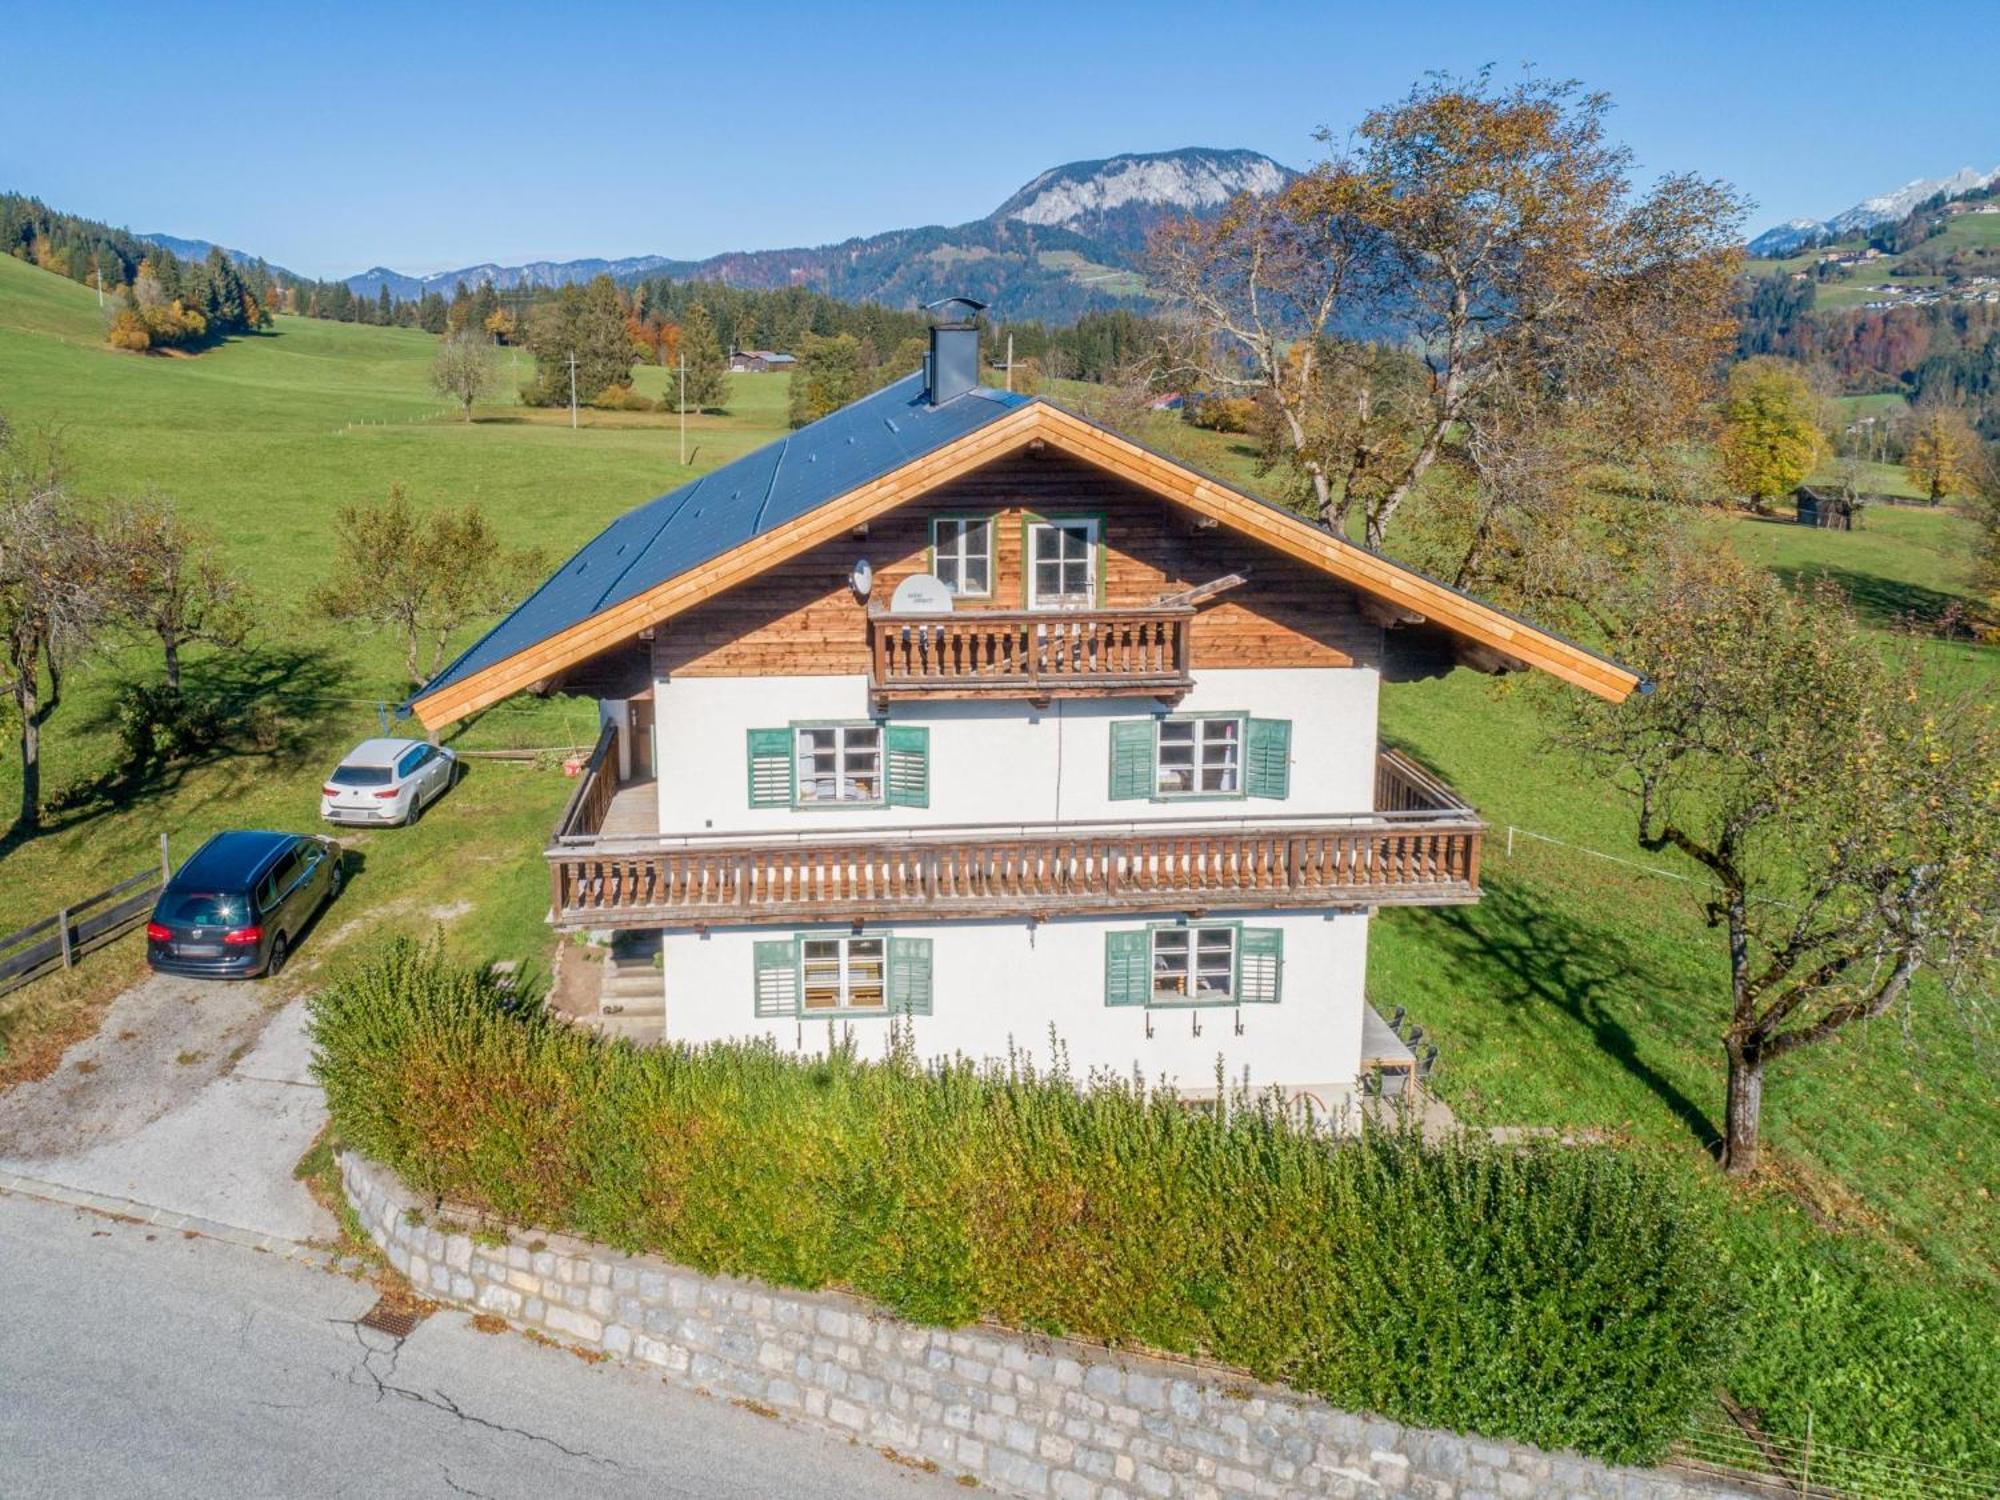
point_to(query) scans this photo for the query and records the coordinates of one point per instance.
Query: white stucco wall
(997, 985)
(1007, 762)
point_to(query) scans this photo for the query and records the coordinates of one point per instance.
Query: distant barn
(1827, 509)
(760, 362)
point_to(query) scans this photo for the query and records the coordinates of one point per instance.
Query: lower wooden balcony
(1412, 855)
(1033, 654)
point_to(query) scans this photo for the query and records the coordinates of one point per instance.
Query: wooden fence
(57, 942)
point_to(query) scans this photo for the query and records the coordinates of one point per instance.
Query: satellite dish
(920, 594)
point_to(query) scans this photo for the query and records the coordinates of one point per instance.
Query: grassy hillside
(1582, 993)
(1977, 235)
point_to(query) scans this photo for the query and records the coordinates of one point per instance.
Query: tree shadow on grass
(266, 703)
(1522, 947)
(1890, 601)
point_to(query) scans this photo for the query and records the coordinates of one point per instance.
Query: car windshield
(208, 908)
(361, 776)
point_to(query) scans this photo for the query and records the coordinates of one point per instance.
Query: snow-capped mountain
(1883, 208)
(1054, 249)
(1120, 198)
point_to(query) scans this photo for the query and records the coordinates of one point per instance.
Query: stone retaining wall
(1024, 1415)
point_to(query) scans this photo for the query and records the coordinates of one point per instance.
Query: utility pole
(1010, 361)
(97, 275)
(572, 390)
(684, 408)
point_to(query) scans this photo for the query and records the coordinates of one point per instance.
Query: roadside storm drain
(398, 1321)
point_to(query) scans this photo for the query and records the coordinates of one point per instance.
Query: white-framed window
(962, 554)
(843, 973)
(1194, 964)
(1194, 757)
(1062, 564)
(839, 762)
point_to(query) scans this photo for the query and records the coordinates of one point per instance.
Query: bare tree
(422, 576)
(172, 582)
(56, 592)
(1846, 811)
(466, 367)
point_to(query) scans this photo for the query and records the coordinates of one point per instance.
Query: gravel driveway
(193, 1096)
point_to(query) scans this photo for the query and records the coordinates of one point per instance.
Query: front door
(639, 725)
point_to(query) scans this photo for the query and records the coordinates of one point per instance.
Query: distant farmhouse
(760, 362)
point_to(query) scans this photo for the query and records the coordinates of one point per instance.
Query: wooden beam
(1486, 659)
(1388, 616)
(1203, 592)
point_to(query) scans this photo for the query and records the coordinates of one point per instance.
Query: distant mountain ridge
(1884, 208)
(1068, 242)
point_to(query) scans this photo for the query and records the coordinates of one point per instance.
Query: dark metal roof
(722, 510)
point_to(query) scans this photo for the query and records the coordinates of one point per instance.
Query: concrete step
(611, 1006)
(633, 982)
(642, 1029)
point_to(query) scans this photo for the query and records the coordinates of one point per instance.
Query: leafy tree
(828, 375)
(1941, 452)
(1847, 816)
(707, 370)
(56, 593)
(1491, 237)
(1771, 436)
(171, 581)
(465, 368)
(604, 347)
(421, 577)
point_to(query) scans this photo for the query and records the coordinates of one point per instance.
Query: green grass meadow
(1583, 993)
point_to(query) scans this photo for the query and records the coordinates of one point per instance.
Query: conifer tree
(707, 371)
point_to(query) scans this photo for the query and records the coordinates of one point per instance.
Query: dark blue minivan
(235, 909)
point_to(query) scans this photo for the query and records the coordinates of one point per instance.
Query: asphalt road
(139, 1362)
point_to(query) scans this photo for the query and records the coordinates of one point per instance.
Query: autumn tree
(420, 576)
(465, 368)
(1771, 434)
(1941, 452)
(1845, 815)
(707, 370)
(1474, 272)
(171, 581)
(56, 593)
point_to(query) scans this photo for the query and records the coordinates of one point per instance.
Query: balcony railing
(1423, 853)
(1033, 654)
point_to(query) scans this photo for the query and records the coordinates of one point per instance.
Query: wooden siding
(799, 617)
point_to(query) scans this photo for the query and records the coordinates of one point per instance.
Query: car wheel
(416, 810)
(274, 965)
(334, 880)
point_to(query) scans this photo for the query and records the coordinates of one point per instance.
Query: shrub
(1565, 1297)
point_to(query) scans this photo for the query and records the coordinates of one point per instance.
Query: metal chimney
(953, 366)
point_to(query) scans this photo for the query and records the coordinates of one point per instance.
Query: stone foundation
(1026, 1416)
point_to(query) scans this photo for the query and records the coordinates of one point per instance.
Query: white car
(387, 781)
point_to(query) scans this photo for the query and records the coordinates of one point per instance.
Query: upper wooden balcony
(1419, 847)
(1033, 654)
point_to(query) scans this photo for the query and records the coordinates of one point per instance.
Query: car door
(415, 768)
(436, 769)
(310, 887)
(274, 894)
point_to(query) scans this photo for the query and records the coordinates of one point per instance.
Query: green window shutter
(1267, 757)
(771, 767)
(910, 976)
(777, 988)
(1260, 965)
(1128, 967)
(908, 767)
(1131, 759)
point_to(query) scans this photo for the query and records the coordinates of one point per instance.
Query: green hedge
(1566, 1297)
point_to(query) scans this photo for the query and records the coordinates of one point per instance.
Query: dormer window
(1062, 564)
(962, 555)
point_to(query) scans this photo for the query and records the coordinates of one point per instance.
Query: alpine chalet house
(956, 709)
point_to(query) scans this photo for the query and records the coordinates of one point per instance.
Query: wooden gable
(1387, 593)
(801, 617)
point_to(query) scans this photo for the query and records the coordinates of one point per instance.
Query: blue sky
(431, 138)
